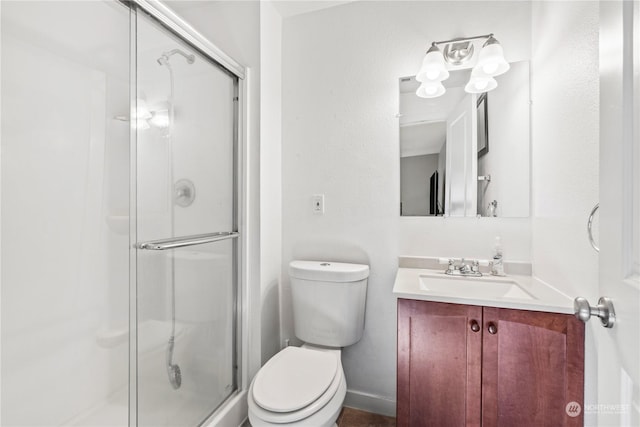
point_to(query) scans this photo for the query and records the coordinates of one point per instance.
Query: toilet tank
(328, 301)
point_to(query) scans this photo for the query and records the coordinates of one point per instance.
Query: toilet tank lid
(328, 271)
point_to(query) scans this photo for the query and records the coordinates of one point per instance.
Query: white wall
(340, 137)
(565, 142)
(565, 115)
(270, 176)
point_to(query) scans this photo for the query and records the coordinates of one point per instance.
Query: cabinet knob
(475, 327)
(492, 328)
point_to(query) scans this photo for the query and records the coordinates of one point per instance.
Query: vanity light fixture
(456, 54)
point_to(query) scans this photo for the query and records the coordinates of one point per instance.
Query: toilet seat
(293, 379)
(280, 384)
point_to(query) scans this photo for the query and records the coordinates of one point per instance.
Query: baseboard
(370, 403)
(234, 412)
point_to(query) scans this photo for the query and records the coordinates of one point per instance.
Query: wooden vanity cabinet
(465, 365)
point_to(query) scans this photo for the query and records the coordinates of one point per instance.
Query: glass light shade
(433, 68)
(479, 83)
(431, 90)
(491, 61)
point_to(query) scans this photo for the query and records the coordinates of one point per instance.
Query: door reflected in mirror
(466, 155)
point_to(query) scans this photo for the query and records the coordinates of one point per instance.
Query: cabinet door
(532, 368)
(439, 362)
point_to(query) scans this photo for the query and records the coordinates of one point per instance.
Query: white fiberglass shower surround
(121, 182)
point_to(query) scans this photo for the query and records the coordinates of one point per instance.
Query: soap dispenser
(497, 266)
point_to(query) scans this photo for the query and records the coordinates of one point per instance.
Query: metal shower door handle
(604, 310)
(181, 242)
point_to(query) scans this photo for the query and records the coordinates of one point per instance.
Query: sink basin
(486, 287)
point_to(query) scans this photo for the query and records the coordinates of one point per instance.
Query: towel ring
(590, 224)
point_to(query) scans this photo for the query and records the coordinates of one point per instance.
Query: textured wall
(340, 137)
(270, 176)
(565, 115)
(565, 142)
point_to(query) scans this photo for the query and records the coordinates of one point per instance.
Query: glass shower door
(186, 223)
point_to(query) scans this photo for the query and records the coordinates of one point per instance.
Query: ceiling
(288, 8)
(422, 138)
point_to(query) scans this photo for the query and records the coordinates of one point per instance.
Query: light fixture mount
(457, 53)
(460, 50)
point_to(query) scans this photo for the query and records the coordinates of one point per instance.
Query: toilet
(305, 386)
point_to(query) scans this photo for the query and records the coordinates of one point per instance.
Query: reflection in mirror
(422, 161)
(466, 154)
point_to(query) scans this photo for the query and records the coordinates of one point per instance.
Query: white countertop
(545, 297)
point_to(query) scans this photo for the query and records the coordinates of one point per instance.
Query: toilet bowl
(306, 386)
(298, 386)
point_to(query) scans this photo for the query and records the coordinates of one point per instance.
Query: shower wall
(65, 185)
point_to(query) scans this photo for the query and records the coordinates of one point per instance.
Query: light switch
(318, 204)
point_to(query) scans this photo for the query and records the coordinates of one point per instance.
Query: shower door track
(181, 28)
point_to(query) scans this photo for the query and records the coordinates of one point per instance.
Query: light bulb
(432, 74)
(490, 68)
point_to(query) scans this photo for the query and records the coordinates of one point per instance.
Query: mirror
(466, 155)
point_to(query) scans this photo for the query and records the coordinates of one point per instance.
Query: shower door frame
(232, 408)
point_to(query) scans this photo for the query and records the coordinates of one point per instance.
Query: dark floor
(350, 417)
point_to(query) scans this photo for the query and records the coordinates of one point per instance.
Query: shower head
(164, 59)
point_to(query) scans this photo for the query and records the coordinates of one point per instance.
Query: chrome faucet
(464, 268)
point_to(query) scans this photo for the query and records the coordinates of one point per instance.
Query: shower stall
(120, 213)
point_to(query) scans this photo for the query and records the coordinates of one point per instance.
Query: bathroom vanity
(510, 355)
